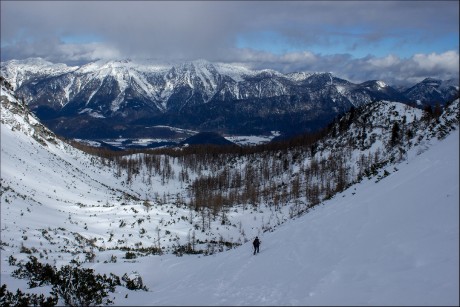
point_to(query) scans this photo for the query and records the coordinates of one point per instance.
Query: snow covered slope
(432, 91)
(48, 186)
(62, 203)
(391, 243)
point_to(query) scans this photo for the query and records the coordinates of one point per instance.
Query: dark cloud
(188, 30)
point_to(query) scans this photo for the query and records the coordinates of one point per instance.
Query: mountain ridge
(197, 95)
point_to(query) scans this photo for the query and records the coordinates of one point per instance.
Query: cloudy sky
(395, 41)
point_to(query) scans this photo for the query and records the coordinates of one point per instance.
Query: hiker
(256, 244)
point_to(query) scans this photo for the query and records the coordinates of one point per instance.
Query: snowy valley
(363, 213)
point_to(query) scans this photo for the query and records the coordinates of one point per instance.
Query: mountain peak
(376, 84)
(430, 79)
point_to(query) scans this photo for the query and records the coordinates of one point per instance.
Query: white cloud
(447, 61)
(85, 52)
(385, 62)
(209, 29)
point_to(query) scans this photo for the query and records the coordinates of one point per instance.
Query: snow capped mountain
(299, 76)
(432, 91)
(383, 229)
(125, 96)
(19, 71)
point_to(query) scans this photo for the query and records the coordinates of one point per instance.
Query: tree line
(301, 171)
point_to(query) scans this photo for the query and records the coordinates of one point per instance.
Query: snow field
(390, 243)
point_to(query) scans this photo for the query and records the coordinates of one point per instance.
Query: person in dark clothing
(256, 244)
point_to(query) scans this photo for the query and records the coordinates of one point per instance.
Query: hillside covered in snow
(366, 213)
(395, 242)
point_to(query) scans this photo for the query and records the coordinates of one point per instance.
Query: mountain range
(105, 99)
